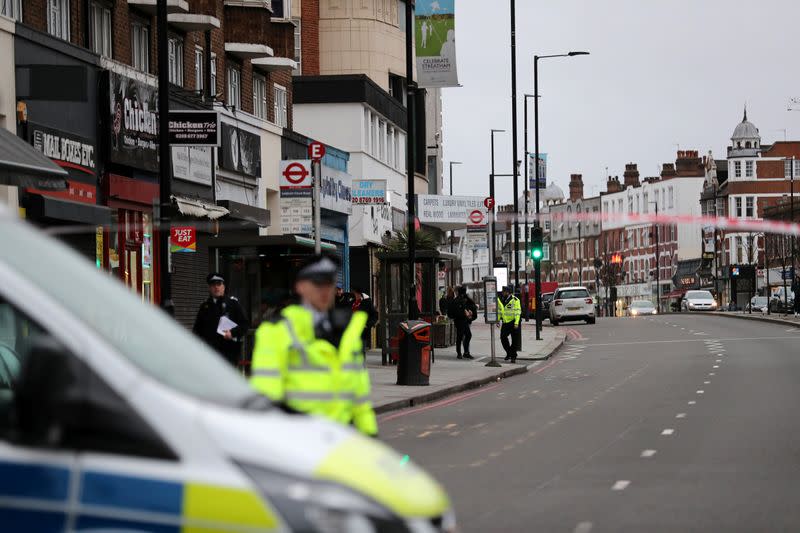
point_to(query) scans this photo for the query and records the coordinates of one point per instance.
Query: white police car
(112, 417)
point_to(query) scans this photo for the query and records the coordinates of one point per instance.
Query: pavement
(450, 375)
(775, 318)
(668, 423)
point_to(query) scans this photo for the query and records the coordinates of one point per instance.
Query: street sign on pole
(316, 151)
(488, 203)
(316, 172)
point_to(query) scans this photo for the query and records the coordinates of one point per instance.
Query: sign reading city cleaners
(369, 192)
(194, 128)
(183, 239)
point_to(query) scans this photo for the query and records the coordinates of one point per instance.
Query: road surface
(670, 423)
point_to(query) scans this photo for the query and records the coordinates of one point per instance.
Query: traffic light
(537, 243)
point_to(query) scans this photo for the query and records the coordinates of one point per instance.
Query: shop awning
(247, 213)
(23, 166)
(197, 208)
(39, 206)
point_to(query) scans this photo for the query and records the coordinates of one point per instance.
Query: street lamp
(538, 264)
(491, 195)
(527, 181)
(451, 194)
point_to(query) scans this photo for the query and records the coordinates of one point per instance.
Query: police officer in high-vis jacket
(510, 312)
(309, 357)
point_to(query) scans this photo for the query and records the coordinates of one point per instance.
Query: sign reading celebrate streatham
(436, 43)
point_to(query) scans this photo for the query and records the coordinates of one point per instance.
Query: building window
(390, 152)
(58, 18)
(787, 168)
(281, 9)
(738, 202)
(234, 87)
(748, 169)
(367, 123)
(374, 136)
(646, 203)
(213, 90)
(198, 69)
(401, 15)
(630, 204)
(739, 250)
(260, 96)
(11, 9)
(175, 52)
(100, 21)
(382, 140)
(750, 207)
(671, 197)
(298, 50)
(140, 47)
(281, 108)
(737, 169)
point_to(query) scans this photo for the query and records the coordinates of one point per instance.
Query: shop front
(57, 89)
(130, 181)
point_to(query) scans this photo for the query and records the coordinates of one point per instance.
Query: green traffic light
(536, 254)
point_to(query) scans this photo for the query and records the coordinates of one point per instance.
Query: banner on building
(134, 122)
(295, 181)
(447, 212)
(369, 192)
(436, 43)
(192, 163)
(542, 160)
(183, 239)
(240, 151)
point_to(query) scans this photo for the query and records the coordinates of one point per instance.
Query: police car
(113, 418)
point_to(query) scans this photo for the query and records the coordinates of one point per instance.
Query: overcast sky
(662, 73)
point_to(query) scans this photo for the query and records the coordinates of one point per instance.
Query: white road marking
(680, 415)
(706, 383)
(712, 374)
(648, 453)
(715, 366)
(668, 432)
(674, 341)
(701, 392)
(719, 360)
(583, 527)
(621, 485)
(692, 402)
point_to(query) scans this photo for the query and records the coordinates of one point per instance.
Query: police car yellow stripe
(211, 509)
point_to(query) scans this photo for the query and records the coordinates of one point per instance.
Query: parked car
(547, 299)
(698, 301)
(758, 304)
(642, 307)
(572, 303)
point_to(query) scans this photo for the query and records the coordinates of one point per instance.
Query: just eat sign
(183, 239)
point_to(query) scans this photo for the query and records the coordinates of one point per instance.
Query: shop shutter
(189, 271)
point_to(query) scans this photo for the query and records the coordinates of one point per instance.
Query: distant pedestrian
(796, 291)
(463, 311)
(344, 299)
(221, 321)
(362, 302)
(446, 300)
(509, 310)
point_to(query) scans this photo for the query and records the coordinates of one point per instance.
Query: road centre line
(648, 453)
(668, 432)
(632, 343)
(680, 415)
(621, 485)
(584, 527)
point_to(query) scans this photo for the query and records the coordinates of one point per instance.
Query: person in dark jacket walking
(796, 291)
(344, 299)
(362, 302)
(463, 311)
(225, 336)
(446, 300)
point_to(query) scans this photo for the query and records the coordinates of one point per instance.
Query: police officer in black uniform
(229, 342)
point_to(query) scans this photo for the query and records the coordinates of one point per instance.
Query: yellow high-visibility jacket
(292, 366)
(510, 312)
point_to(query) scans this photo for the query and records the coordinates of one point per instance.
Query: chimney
(689, 164)
(668, 171)
(631, 175)
(613, 185)
(576, 187)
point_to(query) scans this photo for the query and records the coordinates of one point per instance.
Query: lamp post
(526, 184)
(413, 309)
(514, 141)
(538, 264)
(451, 194)
(491, 195)
(165, 164)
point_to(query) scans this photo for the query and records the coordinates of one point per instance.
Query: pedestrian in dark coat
(226, 341)
(362, 302)
(446, 300)
(796, 291)
(344, 299)
(463, 311)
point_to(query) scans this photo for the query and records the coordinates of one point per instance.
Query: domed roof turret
(745, 131)
(552, 192)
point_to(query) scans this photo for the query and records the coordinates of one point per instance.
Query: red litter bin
(414, 364)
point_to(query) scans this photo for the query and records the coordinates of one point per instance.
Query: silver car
(699, 301)
(642, 307)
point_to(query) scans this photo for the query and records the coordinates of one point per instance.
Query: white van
(112, 417)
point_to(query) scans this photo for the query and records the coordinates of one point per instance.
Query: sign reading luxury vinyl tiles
(436, 43)
(296, 191)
